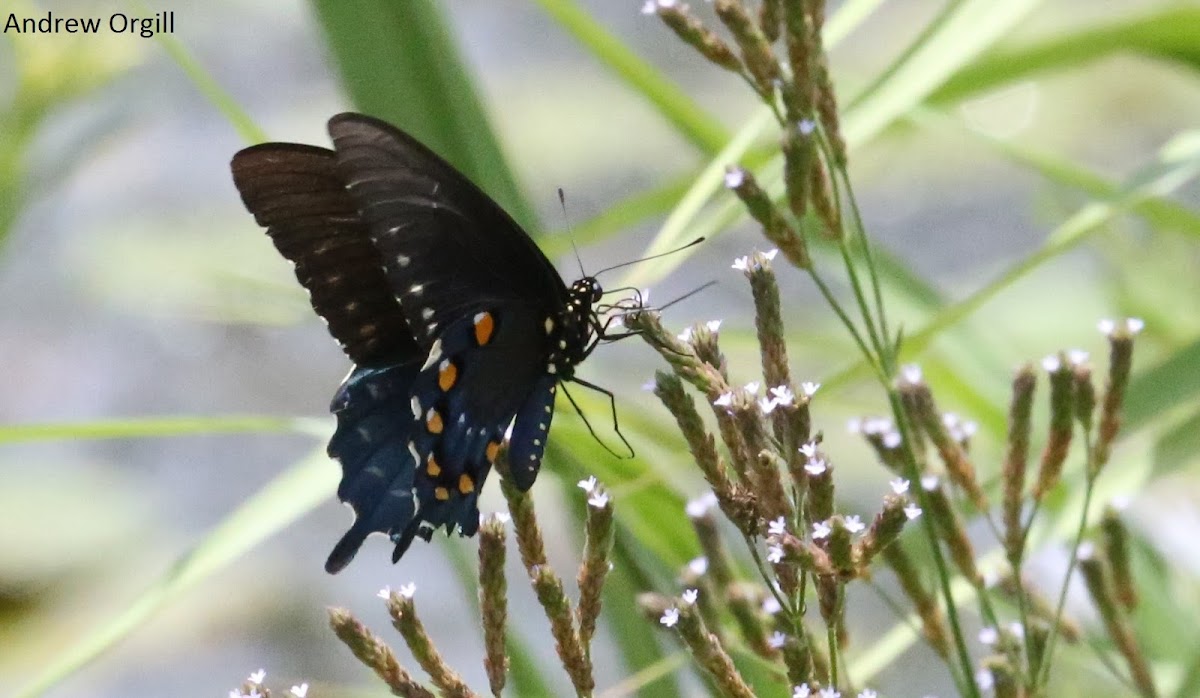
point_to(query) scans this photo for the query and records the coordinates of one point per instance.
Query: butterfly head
(571, 333)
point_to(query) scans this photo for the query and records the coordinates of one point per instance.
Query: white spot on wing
(435, 353)
(416, 407)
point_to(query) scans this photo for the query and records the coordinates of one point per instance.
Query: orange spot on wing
(433, 422)
(493, 450)
(441, 493)
(447, 375)
(465, 484)
(484, 327)
(432, 467)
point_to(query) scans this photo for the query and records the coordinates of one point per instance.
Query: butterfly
(457, 324)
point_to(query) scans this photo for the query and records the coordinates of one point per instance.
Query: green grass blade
(1169, 34)
(1172, 382)
(681, 111)
(399, 62)
(283, 500)
(150, 427)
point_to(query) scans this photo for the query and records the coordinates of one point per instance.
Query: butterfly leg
(612, 401)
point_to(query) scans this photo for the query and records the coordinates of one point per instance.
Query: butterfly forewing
(295, 192)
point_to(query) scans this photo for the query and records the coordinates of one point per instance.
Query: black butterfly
(455, 320)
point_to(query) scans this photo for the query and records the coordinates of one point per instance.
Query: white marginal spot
(548, 409)
(416, 407)
(412, 451)
(427, 314)
(403, 260)
(562, 344)
(479, 317)
(462, 419)
(549, 325)
(552, 369)
(541, 426)
(537, 442)
(435, 353)
(416, 289)
(432, 327)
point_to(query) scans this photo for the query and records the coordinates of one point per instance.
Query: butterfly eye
(596, 293)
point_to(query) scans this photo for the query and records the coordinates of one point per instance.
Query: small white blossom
(724, 400)
(776, 640)
(408, 590)
(809, 449)
(1017, 629)
(752, 387)
(587, 485)
(968, 428)
(670, 617)
(930, 482)
(802, 691)
(806, 126)
(985, 680)
(650, 385)
(867, 693)
(701, 505)
(767, 404)
(1051, 363)
(911, 373)
(686, 335)
(912, 511)
(1077, 357)
(1087, 550)
(854, 523)
(821, 529)
(734, 178)
(892, 439)
(690, 596)
(783, 395)
(775, 554)
(989, 636)
(713, 326)
(384, 593)
(599, 499)
(257, 677)
(1135, 325)
(300, 691)
(830, 692)
(502, 516)
(698, 565)
(770, 606)
(770, 254)
(854, 425)
(778, 527)
(741, 263)
(1106, 326)
(235, 694)
(816, 466)
(899, 485)
(1120, 502)
(809, 388)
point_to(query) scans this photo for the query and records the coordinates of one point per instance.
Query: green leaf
(1172, 382)
(399, 63)
(150, 427)
(276, 506)
(1170, 34)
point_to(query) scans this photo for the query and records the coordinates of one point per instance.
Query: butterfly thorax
(571, 331)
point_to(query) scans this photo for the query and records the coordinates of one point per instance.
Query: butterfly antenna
(612, 401)
(562, 203)
(693, 243)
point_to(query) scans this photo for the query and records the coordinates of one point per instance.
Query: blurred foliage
(400, 61)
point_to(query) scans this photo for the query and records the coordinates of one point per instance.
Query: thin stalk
(858, 339)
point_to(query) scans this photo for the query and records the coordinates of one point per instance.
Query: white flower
(235, 694)
(770, 254)
(1051, 363)
(892, 439)
(809, 388)
(854, 425)
(929, 483)
(985, 680)
(806, 126)
(1077, 357)
(587, 485)
(686, 335)
(767, 405)
(783, 395)
(776, 640)
(770, 606)
(734, 178)
(775, 554)
(802, 691)
(899, 485)
(650, 7)
(701, 505)
(599, 499)
(809, 449)
(650, 385)
(1086, 550)
(384, 593)
(257, 677)
(752, 387)
(854, 523)
(821, 529)
(989, 636)
(830, 692)
(867, 693)
(816, 466)
(300, 691)
(713, 326)
(911, 373)
(777, 527)
(1106, 326)
(670, 617)
(408, 590)
(724, 400)
(1135, 325)
(502, 516)
(698, 565)
(968, 428)
(1017, 629)
(690, 596)
(1120, 502)
(741, 263)
(912, 511)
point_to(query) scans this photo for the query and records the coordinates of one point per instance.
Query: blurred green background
(164, 505)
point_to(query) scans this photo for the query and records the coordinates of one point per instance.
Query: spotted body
(458, 325)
